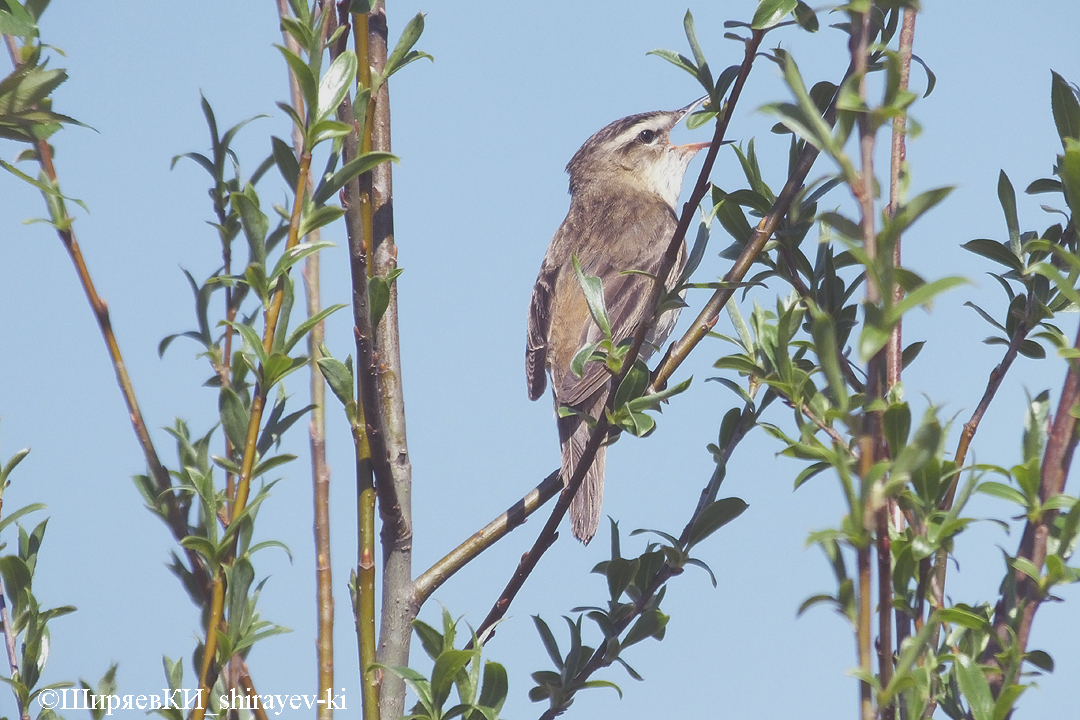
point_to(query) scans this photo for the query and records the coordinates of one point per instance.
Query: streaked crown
(637, 152)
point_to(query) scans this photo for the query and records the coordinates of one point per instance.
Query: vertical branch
(356, 200)
(399, 607)
(12, 655)
(382, 457)
(870, 442)
(862, 633)
(320, 473)
(894, 348)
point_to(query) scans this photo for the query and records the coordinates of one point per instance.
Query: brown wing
(629, 232)
(539, 325)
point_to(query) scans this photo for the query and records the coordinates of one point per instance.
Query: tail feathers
(585, 507)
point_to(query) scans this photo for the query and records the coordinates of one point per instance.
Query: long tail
(573, 436)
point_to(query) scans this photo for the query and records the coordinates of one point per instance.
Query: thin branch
(175, 517)
(894, 360)
(599, 659)
(934, 575)
(12, 654)
(707, 318)
(600, 432)
(870, 440)
(482, 539)
(320, 472)
(356, 201)
(1015, 611)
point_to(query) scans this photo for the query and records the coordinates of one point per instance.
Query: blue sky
(484, 133)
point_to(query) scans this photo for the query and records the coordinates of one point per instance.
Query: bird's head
(635, 152)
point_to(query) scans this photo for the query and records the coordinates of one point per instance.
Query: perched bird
(624, 184)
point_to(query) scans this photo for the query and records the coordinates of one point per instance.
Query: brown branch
(1025, 600)
(599, 658)
(706, 319)
(548, 534)
(175, 517)
(369, 225)
(871, 438)
(12, 654)
(320, 472)
(599, 435)
(894, 348)
(482, 539)
(398, 608)
(894, 360)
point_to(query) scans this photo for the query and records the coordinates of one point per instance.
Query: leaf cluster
(27, 623)
(632, 398)
(479, 697)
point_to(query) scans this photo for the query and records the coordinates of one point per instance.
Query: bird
(624, 185)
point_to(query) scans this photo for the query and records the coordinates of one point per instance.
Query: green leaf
(871, 340)
(1069, 172)
(1041, 660)
(250, 336)
(923, 295)
(548, 639)
(495, 686)
(1043, 185)
(732, 218)
(1065, 106)
(676, 59)
(633, 385)
(298, 253)
(278, 365)
(430, 638)
(303, 328)
(602, 684)
(594, 296)
(335, 84)
(713, 517)
(379, 295)
(312, 219)
(996, 251)
(771, 12)
(1007, 198)
(234, 417)
(649, 624)
(1063, 284)
(253, 221)
(285, 159)
(403, 54)
(806, 17)
(975, 688)
(1005, 492)
(12, 517)
(10, 465)
(339, 376)
(352, 169)
(911, 211)
(911, 352)
(963, 618)
(447, 666)
(304, 79)
(17, 21)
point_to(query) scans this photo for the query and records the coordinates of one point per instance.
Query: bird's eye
(647, 136)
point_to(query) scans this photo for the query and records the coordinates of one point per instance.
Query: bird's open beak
(690, 108)
(692, 148)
